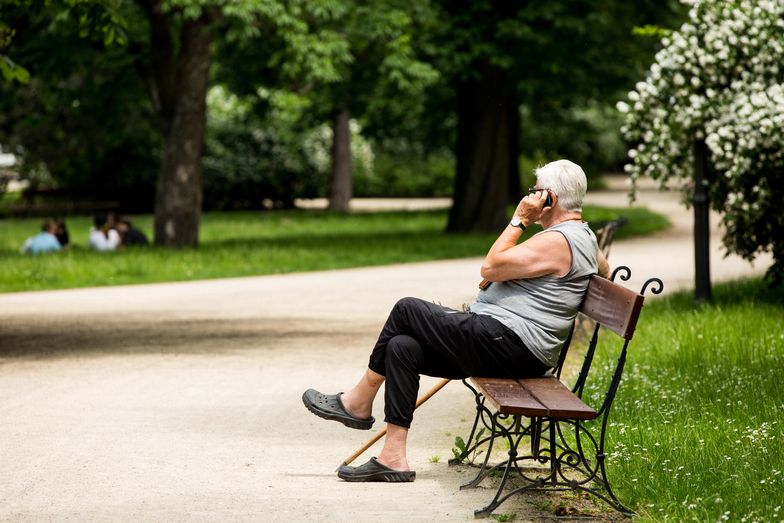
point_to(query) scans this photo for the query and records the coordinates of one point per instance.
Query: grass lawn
(253, 243)
(697, 428)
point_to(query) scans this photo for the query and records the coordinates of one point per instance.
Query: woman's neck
(565, 216)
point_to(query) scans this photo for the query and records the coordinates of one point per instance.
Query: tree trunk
(340, 182)
(179, 190)
(160, 74)
(515, 187)
(484, 139)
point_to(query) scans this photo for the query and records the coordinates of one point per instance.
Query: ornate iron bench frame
(560, 435)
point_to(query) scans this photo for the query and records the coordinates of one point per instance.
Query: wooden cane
(423, 398)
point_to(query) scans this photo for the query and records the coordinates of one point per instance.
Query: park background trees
(550, 59)
(433, 94)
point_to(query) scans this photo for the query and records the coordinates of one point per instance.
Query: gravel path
(182, 401)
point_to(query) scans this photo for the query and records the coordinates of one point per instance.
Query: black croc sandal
(329, 406)
(375, 471)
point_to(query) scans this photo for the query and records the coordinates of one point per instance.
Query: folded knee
(403, 350)
(405, 303)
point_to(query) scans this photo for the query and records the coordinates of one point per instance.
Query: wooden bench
(565, 434)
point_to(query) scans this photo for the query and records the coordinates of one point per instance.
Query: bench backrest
(616, 308)
(608, 304)
(612, 305)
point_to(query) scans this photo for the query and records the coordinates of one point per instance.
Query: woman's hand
(531, 207)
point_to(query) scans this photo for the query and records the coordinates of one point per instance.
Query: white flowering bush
(719, 78)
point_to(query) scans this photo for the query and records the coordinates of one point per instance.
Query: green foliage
(588, 134)
(96, 19)
(461, 449)
(503, 516)
(694, 433)
(13, 72)
(250, 158)
(85, 118)
(92, 19)
(653, 31)
(399, 171)
(557, 52)
(379, 79)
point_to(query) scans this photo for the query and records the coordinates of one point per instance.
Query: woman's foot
(374, 470)
(393, 462)
(329, 406)
(355, 406)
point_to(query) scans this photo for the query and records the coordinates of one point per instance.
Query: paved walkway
(181, 402)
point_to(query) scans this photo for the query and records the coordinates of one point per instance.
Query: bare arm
(604, 267)
(541, 255)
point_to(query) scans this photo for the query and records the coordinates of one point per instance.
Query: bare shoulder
(551, 250)
(548, 239)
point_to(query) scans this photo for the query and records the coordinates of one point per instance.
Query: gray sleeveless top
(541, 310)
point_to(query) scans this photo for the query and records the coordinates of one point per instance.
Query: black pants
(420, 337)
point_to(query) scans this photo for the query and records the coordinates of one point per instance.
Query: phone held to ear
(548, 202)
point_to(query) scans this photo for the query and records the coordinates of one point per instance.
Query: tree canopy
(435, 86)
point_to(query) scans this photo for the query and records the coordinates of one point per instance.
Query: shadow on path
(64, 337)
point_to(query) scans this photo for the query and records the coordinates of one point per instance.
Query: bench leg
(602, 480)
(536, 436)
(484, 470)
(475, 440)
(511, 461)
(470, 445)
(592, 473)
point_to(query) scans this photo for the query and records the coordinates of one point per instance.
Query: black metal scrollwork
(655, 290)
(626, 270)
(577, 459)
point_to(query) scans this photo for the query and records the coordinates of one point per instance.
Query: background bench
(560, 430)
(606, 233)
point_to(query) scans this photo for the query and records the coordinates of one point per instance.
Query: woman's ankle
(395, 462)
(356, 408)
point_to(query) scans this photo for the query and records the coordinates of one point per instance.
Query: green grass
(697, 430)
(247, 243)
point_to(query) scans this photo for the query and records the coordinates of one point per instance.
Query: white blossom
(718, 77)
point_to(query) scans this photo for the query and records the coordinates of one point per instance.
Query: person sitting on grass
(61, 232)
(44, 241)
(129, 234)
(103, 236)
(515, 328)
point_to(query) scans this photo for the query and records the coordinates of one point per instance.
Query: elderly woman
(515, 328)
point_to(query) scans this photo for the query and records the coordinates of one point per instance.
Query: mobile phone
(548, 202)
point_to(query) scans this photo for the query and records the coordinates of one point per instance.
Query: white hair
(567, 180)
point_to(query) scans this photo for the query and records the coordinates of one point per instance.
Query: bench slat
(509, 397)
(612, 305)
(557, 398)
